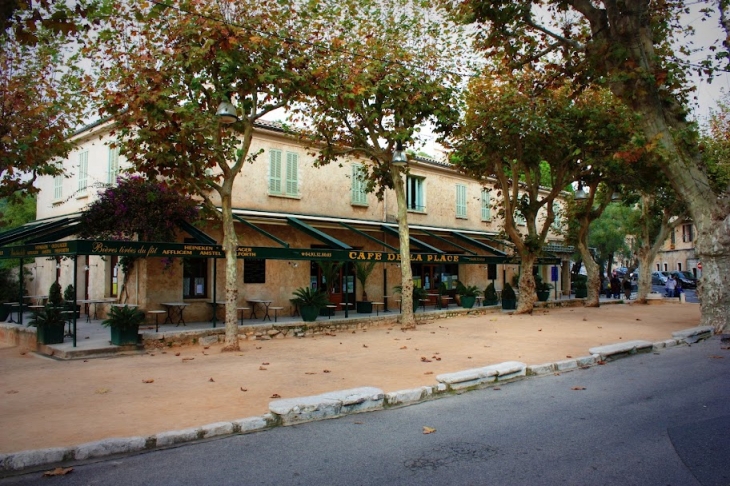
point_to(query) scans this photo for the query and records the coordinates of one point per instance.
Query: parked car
(659, 278)
(688, 280)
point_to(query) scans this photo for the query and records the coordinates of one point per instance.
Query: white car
(658, 278)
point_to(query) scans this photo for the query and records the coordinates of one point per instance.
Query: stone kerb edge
(476, 377)
(289, 411)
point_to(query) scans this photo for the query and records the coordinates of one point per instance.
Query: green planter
(4, 312)
(467, 301)
(50, 334)
(543, 295)
(124, 337)
(509, 304)
(309, 313)
(581, 293)
(364, 307)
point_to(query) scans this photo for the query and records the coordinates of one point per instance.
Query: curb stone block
(587, 361)
(216, 429)
(479, 376)
(509, 370)
(208, 340)
(404, 397)
(250, 424)
(693, 334)
(108, 447)
(176, 437)
(566, 365)
(304, 409)
(358, 399)
(618, 350)
(25, 459)
(541, 369)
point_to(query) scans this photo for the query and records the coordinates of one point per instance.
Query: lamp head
(399, 155)
(227, 112)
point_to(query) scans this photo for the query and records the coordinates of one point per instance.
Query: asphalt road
(652, 419)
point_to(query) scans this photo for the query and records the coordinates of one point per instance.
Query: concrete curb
(291, 411)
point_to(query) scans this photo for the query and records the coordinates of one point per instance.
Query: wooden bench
(241, 310)
(157, 314)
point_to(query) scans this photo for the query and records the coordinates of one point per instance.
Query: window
(658, 269)
(83, 172)
(666, 267)
(283, 181)
(58, 188)
(113, 165)
(520, 219)
(687, 233)
(461, 201)
(673, 237)
(486, 206)
(359, 184)
(415, 194)
(556, 211)
(679, 267)
(254, 270)
(195, 276)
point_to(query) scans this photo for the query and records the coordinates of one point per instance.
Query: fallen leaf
(437, 358)
(206, 347)
(496, 388)
(539, 330)
(59, 471)
(188, 359)
(211, 380)
(428, 373)
(262, 368)
(275, 395)
(600, 327)
(578, 388)
(148, 380)
(468, 357)
(326, 371)
(258, 347)
(244, 389)
(265, 364)
(101, 391)
(404, 347)
(177, 354)
(601, 362)
(357, 423)
(433, 332)
(568, 356)
(11, 392)
(428, 430)
(638, 319)
(585, 319)
(425, 359)
(364, 345)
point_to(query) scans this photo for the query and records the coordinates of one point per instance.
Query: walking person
(615, 286)
(627, 288)
(670, 286)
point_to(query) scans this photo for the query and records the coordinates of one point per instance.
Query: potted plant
(8, 292)
(542, 289)
(419, 294)
(124, 322)
(49, 323)
(69, 296)
(362, 272)
(309, 301)
(509, 298)
(54, 295)
(581, 287)
(469, 295)
(490, 295)
(443, 300)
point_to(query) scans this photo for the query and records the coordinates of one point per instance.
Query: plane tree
(392, 71)
(631, 47)
(164, 70)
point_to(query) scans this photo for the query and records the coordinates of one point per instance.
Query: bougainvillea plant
(139, 207)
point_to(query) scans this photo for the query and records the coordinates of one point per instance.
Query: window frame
(358, 195)
(416, 194)
(113, 165)
(486, 205)
(283, 179)
(83, 174)
(461, 208)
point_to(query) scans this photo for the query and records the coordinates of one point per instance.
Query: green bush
(490, 293)
(508, 293)
(124, 318)
(308, 297)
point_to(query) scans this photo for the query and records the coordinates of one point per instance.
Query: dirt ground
(49, 403)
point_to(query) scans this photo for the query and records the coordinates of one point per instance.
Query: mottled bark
(527, 296)
(230, 249)
(408, 319)
(593, 275)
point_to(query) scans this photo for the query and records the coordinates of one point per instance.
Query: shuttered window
(359, 196)
(461, 201)
(486, 206)
(83, 172)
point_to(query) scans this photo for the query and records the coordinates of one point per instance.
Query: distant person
(670, 286)
(627, 288)
(677, 288)
(615, 286)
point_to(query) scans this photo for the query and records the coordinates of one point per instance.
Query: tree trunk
(713, 245)
(593, 276)
(408, 319)
(528, 297)
(646, 256)
(230, 249)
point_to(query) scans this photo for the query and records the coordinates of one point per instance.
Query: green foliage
(508, 293)
(490, 293)
(9, 286)
(362, 272)
(54, 295)
(14, 213)
(580, 281)
(124, 318)
(48, 316)
(469, 291)
(330, 271)
(308, 297)
(541, 285)
(69, 293)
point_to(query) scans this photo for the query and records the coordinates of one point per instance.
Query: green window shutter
(292, 175)
(83, 171)
(113, 165)
(460, 201)
(486, 206)
(275, 171)
(359, 196)
(57, 187)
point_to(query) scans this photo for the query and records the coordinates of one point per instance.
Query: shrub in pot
(542, 289)
(49, 322)
(509, 298)
(69, 296)
(309, 301)
(469, 295)
(490, 295)
(362, 272)
(581, 287)
(124, 322)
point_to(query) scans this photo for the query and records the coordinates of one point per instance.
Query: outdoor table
(175, 312)
(12, 306)
(156, 313)
(377, 307)
(95, 303)
(214, 306)
(385, 301)
(259, 302)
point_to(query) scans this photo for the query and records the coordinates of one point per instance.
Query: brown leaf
(188, 359)
(206, 347)
(326, 371)
(148, 380)
(568, 356)
(539, 330)
(364, 345)
(496, 388)
(265, 364)
(428, 373)
(275, 395)
(578, 388)
(258, 347)
(404, 347)
(309, 373)
(425, 359)
(177, 354)
(262, 368)
(59, 471)
(244, 389)
(428, 430)
(212, 380)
